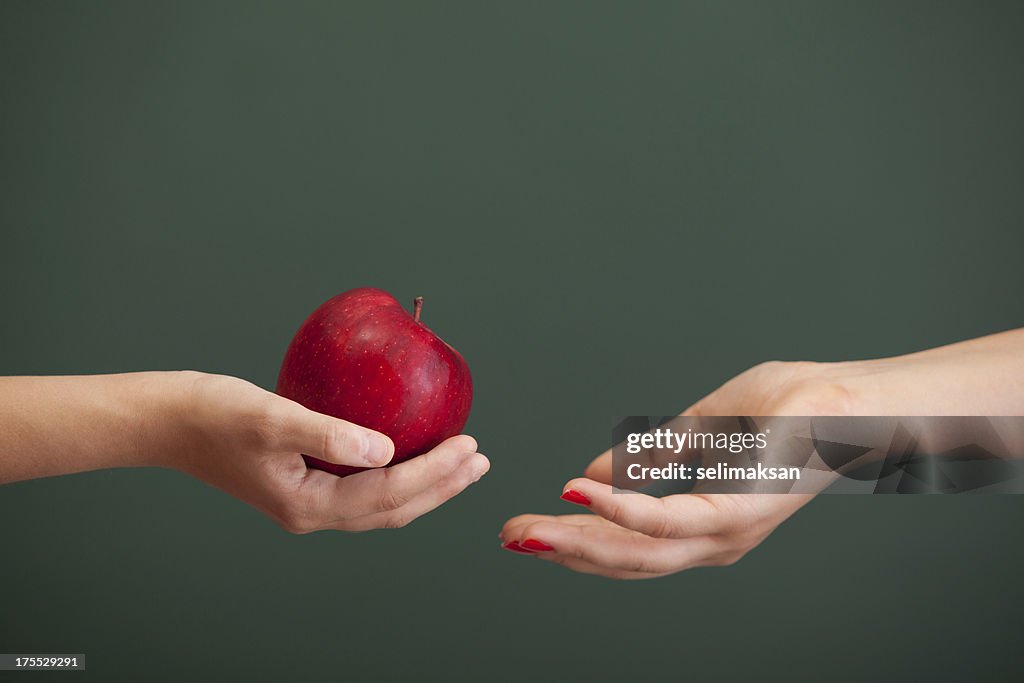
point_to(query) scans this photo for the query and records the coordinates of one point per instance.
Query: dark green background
(611, 209)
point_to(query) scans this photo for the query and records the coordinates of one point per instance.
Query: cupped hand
(248, 442)
(631, 535)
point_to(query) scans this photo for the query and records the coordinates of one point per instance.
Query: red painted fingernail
(575, 497)
(516, 548)
(534, 544)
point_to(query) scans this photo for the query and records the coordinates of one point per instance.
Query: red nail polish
(534, 544)
(575, 497)
(516, 548)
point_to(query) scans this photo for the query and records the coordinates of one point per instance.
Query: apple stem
(417, 306)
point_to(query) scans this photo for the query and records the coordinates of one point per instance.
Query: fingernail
(377, 448)
(516, 548)
(575, 497)
(534, 544)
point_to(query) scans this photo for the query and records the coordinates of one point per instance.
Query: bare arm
(640, 536)
(228, 433)
(60, 425)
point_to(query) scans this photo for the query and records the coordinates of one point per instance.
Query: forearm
(983, 376)
(60, 425)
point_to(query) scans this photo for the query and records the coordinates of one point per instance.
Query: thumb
(603, 469)
(328, 438)
(600, 469)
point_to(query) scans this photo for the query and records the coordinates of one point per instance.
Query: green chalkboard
(611, 208)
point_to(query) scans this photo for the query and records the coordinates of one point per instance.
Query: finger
(679, 516)
(514, 527)
(386, 489)
(301, 430)
(584, 567)
(617, 548)
(512, 530)
(472, 469)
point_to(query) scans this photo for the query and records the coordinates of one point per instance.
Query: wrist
(857, 385)
(162, 403)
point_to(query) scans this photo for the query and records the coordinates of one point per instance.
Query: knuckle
(660, 527)
(339, 440)
(390, 500)
(640, 565)
(267, 424)
(615, 513)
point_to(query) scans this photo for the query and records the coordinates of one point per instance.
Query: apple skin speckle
(363, 358)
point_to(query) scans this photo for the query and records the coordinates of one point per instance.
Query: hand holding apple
(246, 441)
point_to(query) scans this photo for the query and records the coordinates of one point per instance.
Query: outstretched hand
(634, 536)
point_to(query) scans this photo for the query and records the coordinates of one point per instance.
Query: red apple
(365, 359)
